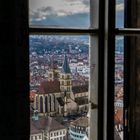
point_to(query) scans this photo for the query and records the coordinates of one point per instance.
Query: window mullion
(109, 41)
(37, 30)
(127, 31)
(93, 82)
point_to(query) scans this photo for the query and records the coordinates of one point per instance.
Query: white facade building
(47, 128)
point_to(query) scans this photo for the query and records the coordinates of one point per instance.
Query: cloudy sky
(41, 9)
(62, 12)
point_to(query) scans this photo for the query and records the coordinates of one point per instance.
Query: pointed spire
(65, 67)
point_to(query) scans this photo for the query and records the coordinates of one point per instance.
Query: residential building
(47, 128)
(79, 128)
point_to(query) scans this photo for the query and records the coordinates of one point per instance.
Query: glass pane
(59, 13)
(119, 88)
(59, 81)
(119, 13)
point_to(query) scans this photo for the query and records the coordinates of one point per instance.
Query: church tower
(66, 77)
(65, 104)
(53, 73)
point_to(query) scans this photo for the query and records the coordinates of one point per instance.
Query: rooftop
(47, 87)
(45, 123)
(83, 122)
(118, 116)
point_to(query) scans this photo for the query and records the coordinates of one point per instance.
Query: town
(59, 79)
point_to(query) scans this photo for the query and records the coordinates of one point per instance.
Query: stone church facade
(58, 96)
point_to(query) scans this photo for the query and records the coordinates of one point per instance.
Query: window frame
(93, 31)
(106, 33)
(113, 31)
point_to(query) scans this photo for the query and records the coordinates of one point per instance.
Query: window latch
(93, 105)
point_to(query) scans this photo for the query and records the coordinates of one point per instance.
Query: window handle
(93, 105)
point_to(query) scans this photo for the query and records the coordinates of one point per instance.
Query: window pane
(119, 90)
(59, 77)
(59, 13)
(119, 13)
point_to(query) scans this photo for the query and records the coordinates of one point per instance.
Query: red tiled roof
(43, 123)
(118, 116)
(34, 129)
(49, 87)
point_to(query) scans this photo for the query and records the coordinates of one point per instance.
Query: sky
(63, 12)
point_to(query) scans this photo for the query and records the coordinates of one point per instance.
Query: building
(79, 128)
(57, 96)
(118, 122)
(46, 128)
(85, 138)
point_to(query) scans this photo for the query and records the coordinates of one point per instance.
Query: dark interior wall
(22, 69)
(14, 89)
(134, 99)
(6, 72)
(137, 97)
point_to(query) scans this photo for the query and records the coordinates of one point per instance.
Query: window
(35, 137)
(68, 82)
(63, 132)
(123, 32)
(50, 75)
(68, 88)
(62, 82)
(103, 32)
(75, 43)
(31, 137)
(51, 134)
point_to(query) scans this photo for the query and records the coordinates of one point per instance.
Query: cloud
(42, 13)
(41, 9)
(120, 7)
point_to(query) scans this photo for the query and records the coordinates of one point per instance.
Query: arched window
(46, 104)
(37, 102)
(50, 102)
(41, 104)
(54, 102)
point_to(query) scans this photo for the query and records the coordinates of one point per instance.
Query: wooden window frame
(106, 32)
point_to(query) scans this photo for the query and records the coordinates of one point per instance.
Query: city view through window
(118, 93)
(59, 79)
(60, 72)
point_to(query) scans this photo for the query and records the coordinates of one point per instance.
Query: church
(57, 95)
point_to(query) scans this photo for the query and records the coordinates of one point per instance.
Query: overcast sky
(40, 9)
(43, 9)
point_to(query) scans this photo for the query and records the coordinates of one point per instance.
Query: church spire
(65, 67)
